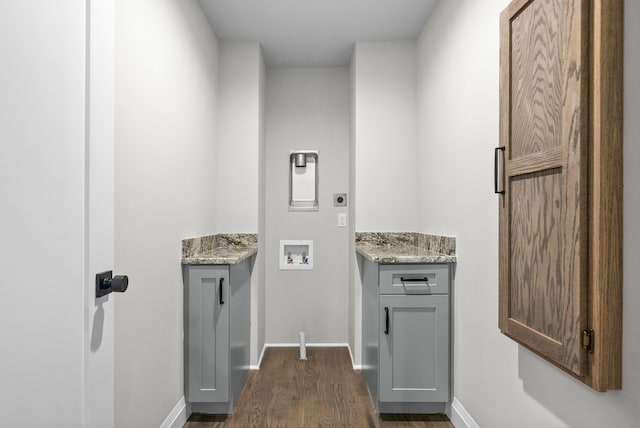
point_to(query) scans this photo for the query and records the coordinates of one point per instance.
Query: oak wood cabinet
(559, 175)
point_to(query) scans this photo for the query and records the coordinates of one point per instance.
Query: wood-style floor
(322, 391)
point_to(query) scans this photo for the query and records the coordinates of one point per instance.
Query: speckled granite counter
(220, 249)
(410, 247)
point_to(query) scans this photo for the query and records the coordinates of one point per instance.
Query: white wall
(239, 160)
(42, 244)
(166, 88)
(307, 109)
(258, 277)
(355, 278)
(385, 136)
(383, 147)
(498, 382)
(238, 134)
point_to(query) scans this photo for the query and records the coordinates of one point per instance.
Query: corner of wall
(259, 342)
(459, 416)
(178, 415)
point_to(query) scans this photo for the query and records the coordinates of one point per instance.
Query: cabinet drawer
(414, 279)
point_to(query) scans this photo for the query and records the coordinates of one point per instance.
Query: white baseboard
(257, 367)
(178, 416)
(313, 345)
(460, 418)
(353, 362)
(309, 345)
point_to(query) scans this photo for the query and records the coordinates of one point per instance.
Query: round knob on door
(119, 283)
(107, 283)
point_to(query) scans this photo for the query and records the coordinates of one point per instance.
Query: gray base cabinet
(406, 336)
(217, 308)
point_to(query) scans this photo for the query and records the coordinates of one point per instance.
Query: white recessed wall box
(296, 254)
(303, 180)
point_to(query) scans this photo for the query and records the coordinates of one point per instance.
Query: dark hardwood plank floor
(322, 391)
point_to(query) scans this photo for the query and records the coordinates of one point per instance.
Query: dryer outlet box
(339, 199)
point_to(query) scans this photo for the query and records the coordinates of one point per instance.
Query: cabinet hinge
(587, 340)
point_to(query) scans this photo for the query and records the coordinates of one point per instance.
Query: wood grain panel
(547, 274)
(538, 296)
(540, 161)
(544, 211)
(605, 291)
(560, 233)
(537, 67)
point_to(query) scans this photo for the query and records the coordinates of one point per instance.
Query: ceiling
(315, 33)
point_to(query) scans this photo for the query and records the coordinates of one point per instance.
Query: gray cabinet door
(414, 348)
(207, 304)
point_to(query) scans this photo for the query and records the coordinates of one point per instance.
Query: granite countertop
(220, 249)
(409, 247)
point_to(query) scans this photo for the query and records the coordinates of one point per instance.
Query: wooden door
(543, 211)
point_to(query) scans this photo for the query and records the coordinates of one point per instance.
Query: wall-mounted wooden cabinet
(559, 172)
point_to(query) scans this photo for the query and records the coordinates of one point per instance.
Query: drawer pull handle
(386, 317)
(424, 280)
(220, 293)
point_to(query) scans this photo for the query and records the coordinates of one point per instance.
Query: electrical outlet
(339, 199)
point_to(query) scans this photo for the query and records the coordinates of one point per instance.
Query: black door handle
(107, 283)
(220, 293)
(496, 156)
(386, 316)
